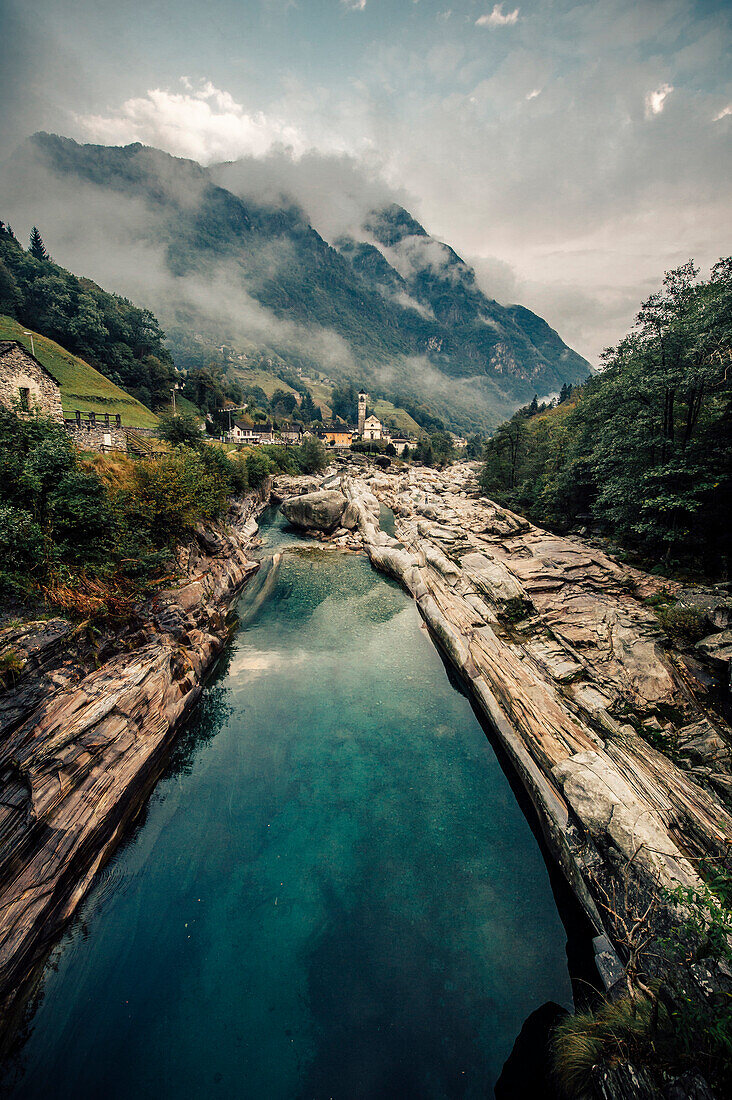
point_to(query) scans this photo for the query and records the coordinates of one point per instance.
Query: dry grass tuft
(86, 598)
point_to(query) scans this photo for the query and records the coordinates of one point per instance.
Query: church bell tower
(362, 399)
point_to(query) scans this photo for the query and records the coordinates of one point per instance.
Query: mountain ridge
(390, 307)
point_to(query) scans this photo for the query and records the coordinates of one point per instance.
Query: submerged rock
(319, 511)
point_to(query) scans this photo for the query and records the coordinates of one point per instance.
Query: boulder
(717, 648)
(319, 511)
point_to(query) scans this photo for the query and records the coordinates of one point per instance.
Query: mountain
(387, 306)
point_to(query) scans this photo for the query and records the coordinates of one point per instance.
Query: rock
(623, 1082)
(690, 1086)
(717, 648)
(320, 511)
(713, 603)
(526, 1074)
(351, 515)
(492, 578)
(564, 693)
(701, 742)
(81, 746)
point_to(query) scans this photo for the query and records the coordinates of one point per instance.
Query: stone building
(372, 430)
(25, 384)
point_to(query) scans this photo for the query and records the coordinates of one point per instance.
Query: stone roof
(8, 345)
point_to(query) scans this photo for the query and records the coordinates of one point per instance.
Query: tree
(645, 448)
(37, 247)
(312, 456)
(344, 402)
(180, 430)
(503, 453)
(474, 448)
(11, 298)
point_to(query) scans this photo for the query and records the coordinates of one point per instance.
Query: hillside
(642, 452)
(389, 308)
(82, 387)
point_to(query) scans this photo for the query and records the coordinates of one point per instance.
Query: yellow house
(337, 436)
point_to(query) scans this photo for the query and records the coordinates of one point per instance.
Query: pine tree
(37, 247)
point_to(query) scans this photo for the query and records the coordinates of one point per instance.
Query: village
(27, 386)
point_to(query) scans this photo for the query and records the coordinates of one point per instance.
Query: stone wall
(25, 384)
(96, 435)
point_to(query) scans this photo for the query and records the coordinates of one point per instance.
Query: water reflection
(334, 892)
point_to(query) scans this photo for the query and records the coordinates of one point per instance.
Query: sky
(570, 151)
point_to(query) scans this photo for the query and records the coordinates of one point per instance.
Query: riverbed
(333, 891)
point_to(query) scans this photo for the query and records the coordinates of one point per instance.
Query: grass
(82, 387)
(399, 418)
(619, 1031)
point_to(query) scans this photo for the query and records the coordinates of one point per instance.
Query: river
(333, 891)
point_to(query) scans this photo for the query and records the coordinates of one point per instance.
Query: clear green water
(333, 892)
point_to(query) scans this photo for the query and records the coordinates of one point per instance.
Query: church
(370, 428)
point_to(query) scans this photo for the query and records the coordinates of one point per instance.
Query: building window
(25, 398)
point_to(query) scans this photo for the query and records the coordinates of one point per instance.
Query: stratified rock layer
(79, 750)
(566, 662)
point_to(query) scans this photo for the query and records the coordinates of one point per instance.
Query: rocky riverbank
(564, 656)
(85, 730)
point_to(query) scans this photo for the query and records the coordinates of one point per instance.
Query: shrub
(684, 625)
(311, 456)
(180, 430)
(259, 467)
(174, 491)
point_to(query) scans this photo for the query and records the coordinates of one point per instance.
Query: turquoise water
(333, 893)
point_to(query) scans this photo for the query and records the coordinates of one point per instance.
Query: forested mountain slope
(389, 308)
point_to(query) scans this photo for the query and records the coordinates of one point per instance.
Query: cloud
(656, 101)
(724, 113)
(497, 18)
(202, 122)
(533, 94)
(354, 5)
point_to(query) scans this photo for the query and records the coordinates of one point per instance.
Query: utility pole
(175, 387)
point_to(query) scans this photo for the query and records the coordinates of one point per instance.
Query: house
(400, 443)
(291, 434)
(336, 435)
(245, 430)
(25, 384)
(373, 429)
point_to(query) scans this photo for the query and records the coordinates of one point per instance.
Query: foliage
(644, 450)
(92, 534)
(312, 457)
(180, 430)
(37, 248)
(10, 662)
(436, 450)
(673, 1024)
(118, 338)
(174, 491)
(684, 625)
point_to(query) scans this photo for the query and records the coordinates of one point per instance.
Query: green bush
(311, 456)
(684, 625)
(88, 535)
(174, 491)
